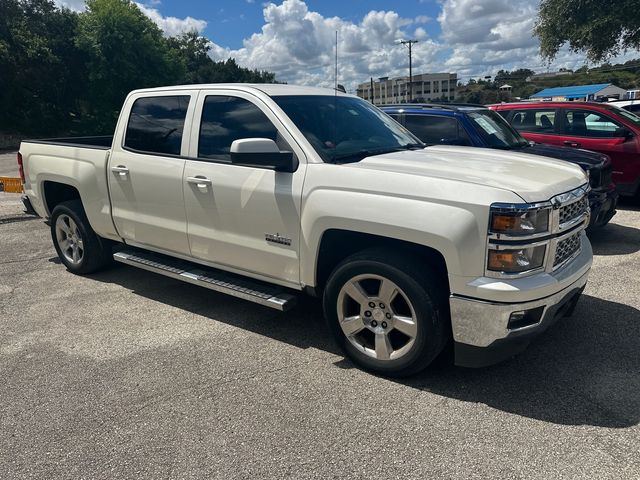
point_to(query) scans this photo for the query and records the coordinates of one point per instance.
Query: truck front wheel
(78, 246)
(387, 312)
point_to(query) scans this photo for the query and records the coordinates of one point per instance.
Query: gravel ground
(127, 374)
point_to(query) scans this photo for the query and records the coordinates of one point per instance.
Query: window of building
(156, 124)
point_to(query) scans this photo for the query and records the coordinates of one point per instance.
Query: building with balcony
(425, 87)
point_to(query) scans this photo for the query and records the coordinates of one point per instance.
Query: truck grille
(566, 249)
(574, 210)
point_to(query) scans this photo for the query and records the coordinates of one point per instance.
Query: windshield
(344, 129)
(495, 130)
(629, 116)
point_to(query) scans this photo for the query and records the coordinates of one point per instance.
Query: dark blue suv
(477, 126)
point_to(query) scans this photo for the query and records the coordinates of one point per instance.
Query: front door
(145, 173)
(241, 218)
(598, 132)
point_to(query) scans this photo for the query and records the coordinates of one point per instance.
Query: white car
(269, 191)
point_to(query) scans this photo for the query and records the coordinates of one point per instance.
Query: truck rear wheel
(387, 314)
(78, 246)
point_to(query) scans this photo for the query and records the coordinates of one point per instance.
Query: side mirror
(624, 133)
(262, 153)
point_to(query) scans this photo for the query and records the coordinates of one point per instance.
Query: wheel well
(56, 193)
(336, 245)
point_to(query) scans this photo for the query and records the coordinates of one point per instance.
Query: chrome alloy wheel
(377, 317)
(69, 239)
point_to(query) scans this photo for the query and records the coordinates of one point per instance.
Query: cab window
(156, 124)
(225, 119)
(534, 120)
(585, 123)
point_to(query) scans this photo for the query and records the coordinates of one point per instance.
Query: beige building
(426, 87)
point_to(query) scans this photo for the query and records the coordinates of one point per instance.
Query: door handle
(120, 170)
(199, 180)
(571, 144)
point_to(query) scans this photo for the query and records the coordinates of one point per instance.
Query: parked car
(268, 191)
(601, 127)
(632, 106)
(477, 126)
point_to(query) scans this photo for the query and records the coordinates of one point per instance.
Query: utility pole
(373, 96)
(409, 43)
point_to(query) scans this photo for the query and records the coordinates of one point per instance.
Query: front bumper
(603, 204)
(503, 316)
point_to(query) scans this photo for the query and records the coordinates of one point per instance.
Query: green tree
(125, 50)
(192, 51)
(599, 29)
(40, 67)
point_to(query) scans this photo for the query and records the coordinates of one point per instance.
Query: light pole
(409, 43)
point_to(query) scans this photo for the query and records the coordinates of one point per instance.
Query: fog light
(525, 318)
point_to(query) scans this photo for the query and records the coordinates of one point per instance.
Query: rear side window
(437, 130)
(534, 121)
(156, 124)
(225, 119)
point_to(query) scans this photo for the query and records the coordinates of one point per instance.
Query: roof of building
(577, 91)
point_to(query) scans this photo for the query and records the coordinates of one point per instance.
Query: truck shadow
(583, 371)
(614, 239)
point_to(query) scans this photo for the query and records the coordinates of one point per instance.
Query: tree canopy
(600, 29)
(64, 72)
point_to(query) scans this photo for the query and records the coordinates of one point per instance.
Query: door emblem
(270, 237)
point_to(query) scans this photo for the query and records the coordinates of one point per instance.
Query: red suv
(600, 127)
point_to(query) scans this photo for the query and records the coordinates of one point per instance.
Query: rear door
(597, 131)
(145, 171)
(242, 218)
(537, 124)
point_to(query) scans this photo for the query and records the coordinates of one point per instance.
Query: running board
(223, 282)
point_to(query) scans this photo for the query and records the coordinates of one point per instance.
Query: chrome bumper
(480, 323)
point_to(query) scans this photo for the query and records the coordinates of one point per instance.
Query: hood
(531, 177)
(585, 158)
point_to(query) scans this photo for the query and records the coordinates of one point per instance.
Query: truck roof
(271, 89)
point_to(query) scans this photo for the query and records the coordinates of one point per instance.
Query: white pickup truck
(267, 191)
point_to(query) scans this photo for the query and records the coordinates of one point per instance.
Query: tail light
(21, 167)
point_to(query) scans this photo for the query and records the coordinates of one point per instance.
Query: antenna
(336, 71)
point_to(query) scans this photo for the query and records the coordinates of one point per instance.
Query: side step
(211, 278)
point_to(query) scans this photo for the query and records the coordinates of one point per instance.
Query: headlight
(519, 221)
(516, 260)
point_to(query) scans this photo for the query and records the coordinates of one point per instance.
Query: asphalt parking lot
(127, 374)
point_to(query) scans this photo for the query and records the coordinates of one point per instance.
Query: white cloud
(172, 26)
(477, 39)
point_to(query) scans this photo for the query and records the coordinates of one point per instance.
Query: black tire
(420, 284)
(96, 251)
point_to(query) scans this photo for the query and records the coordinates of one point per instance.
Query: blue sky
(295, 38)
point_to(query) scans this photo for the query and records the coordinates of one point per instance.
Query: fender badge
(270, 237)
